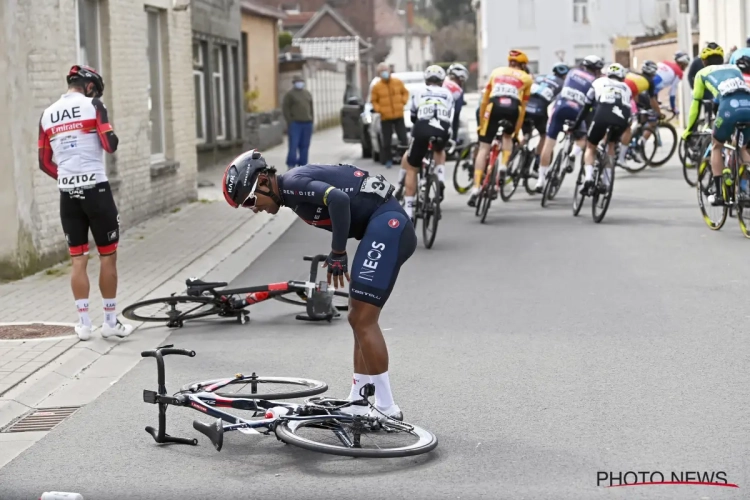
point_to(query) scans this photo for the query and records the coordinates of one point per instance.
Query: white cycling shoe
(119, 330)
(84, 331)
(393, 412)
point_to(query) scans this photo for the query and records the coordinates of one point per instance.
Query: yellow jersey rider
(504, 98)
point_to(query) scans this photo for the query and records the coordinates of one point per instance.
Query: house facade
(142, 49)
(260, 53)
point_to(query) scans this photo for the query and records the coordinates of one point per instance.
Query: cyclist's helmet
(459, 71)
(240, 178)
(84, 75)
(434, 74)
(560, 69)
(615, 70)
(649, 68)
(712, 49)
(518, 56)
(743, 62)
(681, 57)
(592, 62)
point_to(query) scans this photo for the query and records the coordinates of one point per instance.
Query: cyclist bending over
(432, 115)
(351, 204)
(727, 85)
(610, 98)
(504, 98)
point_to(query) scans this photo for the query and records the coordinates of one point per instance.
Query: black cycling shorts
(93, 208)
(420, 142)
(388, 242)
(606, 116)
(499, 109)
(533, 121)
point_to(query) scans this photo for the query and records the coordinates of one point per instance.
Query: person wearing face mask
(389, 97)
(299, 116)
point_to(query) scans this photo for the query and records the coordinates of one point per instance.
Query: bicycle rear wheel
(637, 167)
(715, 217)
(578, 197)
(169, 309)
(664, 139)
(463, 172)
(487, 192)
(430, 211)
(353, 437)
(512, 176)
(552, 186)
(602, 191)
(255, 387)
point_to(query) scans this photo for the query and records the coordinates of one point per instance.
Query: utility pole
(685, 43)
(407, 37)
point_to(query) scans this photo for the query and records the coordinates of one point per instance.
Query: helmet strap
(276, 198)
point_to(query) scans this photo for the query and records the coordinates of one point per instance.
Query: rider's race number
(547, 93)
(76, 181)
(433, 109)
(504, 89)
(611, 95)
(732, 85)
(376, 185)
(573, 95)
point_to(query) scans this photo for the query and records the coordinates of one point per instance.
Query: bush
(285, 40)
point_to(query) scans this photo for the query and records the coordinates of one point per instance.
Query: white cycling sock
(110, 311)
(440, 171)
(621, 155)
(577, 150)
(358, 381)
(409, 205)
(83, 311)
(589, 170)
(383, 395)
(543, 172)
(401, 175)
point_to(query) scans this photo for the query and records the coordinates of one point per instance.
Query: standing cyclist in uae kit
(351, 204)
(73, 134)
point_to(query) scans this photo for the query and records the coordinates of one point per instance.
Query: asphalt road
(539, 347)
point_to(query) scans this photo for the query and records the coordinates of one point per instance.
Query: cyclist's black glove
(338, 263)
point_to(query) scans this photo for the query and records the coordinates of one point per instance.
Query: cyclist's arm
(339, 211)
(695, 106)
(524, 100)
(588, 105)
(45, 154)
(103, 128)
(673, 94)
(485, 101)
(457, 116)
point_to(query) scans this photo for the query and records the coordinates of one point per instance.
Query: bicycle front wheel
(172, 309)
(487, 192)
(605, 184)
(578, 197)
(551, 186)
(255, 387)
(512, 176)
(430, 211)
(664, 143)
(352, 437)
(463, 172)
(714, 216)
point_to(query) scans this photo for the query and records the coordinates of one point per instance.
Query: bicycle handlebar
(166, 351)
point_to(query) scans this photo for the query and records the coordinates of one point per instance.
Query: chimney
(410, 13)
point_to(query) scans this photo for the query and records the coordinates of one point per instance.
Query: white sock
(401, 175)
(623, 152)
(503, 167)
(358, 381)
(409, 205)
(606, 176)
(440, 171)
(83, 311)
(383, 395)
(577, 150)
(543, 172)
(110, 311)
(589, 170)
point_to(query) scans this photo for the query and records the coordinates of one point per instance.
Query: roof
(388, 22)
(300, 19)
(260, 10)
(326, 10)
(345, 48)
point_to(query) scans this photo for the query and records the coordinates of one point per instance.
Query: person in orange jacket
(389, 97)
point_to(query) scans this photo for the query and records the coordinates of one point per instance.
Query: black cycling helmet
(743, 62)
(241, 177)
(85, 74)
(560, 69)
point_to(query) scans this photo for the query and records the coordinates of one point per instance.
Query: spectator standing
(389, 97)
(299, 116)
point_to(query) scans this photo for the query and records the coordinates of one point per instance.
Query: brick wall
(36, 63)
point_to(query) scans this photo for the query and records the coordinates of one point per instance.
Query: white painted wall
(726, 22)
(420, 53)
(543, 27)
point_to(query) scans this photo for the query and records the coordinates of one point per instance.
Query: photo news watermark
(612, 479)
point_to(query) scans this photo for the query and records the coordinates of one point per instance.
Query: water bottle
(59, 495)
(276, 412)
(726, 175)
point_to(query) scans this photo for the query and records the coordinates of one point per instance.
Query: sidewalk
(154, 259)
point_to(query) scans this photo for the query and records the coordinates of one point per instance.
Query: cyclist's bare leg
(79, 278)
(372, 356)
(440, 158)
(410, 186)
(588, 161)
(108, 275)
(627, 135)
(483, 152)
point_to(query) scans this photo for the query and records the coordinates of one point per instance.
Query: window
(155, 90)
(89, 43)
(581, 11)
(219, 103)
(199, 87)
(526, 14)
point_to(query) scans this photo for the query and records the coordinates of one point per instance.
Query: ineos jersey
(308, 191)
(432, 104)
(73, 132)
(610, 92)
